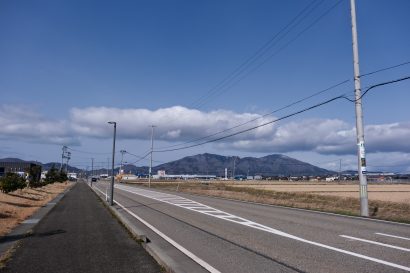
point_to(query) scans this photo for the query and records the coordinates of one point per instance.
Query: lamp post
(112, 165)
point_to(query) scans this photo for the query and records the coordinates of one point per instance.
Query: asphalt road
(80, 235)
(232, 236)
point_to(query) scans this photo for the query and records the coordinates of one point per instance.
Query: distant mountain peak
(214, 164)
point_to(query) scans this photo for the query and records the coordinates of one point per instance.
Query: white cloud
(179, 124)
(172, 124)
(19, 122)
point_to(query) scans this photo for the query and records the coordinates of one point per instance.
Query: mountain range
(212, 164)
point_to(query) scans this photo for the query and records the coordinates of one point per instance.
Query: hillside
(212, 164)
(271, 165)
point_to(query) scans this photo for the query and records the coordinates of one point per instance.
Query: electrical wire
(378, 85)
(276, 52)
(287, 106)
(264, 124)
(260, 117)
(260, 52)
(141, 157)
(86, 152)
(284, 117)
(384, 69)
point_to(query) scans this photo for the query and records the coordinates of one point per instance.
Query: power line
(263, 116)
(86, 152)
(384, 69)
(259, 53)
(254, 127)
(284, 117)
(255, 68)
(378, 85)
(142, 157)
(287, 106)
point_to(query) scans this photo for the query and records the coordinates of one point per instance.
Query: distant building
(72, 176)
(19, 167)
(162, 175)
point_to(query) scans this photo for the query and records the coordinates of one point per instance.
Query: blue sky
(69, 66)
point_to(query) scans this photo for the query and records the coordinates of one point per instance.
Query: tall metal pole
(234, 166)
(340, 169)
(152, 149)
(92, 171)
(68, 157)
(122, 158)
(108, 166)
(92, 167)
(62, 157)
(112, 165)
(364, 206)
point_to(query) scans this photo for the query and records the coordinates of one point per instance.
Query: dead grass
(17, 206)
(393, 211)
(399, 193)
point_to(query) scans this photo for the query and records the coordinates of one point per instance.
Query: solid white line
(283, 234)
(375, 243)
(169, 240)
(393, 236)
(299, 209)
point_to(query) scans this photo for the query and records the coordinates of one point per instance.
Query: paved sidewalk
(80, 235)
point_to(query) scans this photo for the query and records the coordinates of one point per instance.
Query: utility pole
(64, 149)
(122, 157)
(233, 169)
(68, 157)
(364, 206)
(152, 149)
(340, 169)
(108, 166)
(92, 171)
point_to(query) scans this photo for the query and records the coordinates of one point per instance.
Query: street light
(112, 167)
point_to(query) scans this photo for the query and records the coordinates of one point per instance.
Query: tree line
(12, 181)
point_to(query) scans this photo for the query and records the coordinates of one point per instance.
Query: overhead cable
(284, 117)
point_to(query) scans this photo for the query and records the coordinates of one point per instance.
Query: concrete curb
(166, 262)
(24, 229)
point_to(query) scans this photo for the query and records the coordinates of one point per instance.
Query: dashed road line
(375, 243)
(393, 236)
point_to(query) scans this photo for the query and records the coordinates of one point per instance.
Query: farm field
(399, 193)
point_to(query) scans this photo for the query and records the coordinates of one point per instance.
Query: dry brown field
(17, 206)
(399, 193)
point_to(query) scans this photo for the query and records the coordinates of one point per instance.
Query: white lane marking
(245, 222)
(393, 236)
(169, 240)
(375, 243)
(305, 210)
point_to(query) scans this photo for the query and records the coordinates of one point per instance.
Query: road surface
(206, 234)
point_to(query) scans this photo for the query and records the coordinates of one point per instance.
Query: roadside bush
(11, 182)
(34, 177)
(54, 175)
(62, 176)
